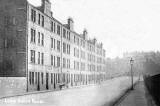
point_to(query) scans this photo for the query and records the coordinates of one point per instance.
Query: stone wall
(10, 86)
(13, 23)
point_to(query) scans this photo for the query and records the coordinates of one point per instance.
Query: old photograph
(79, 53)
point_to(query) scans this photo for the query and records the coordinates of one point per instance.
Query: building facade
(46, 52)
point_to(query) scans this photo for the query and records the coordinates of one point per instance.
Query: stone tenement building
(40, 53)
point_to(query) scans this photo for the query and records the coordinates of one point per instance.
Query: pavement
(97, 95)
(139, 96)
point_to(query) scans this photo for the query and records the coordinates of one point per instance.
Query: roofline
(64, 25)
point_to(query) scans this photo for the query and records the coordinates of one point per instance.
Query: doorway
(38, 85)
(55, 81)
(47, 77)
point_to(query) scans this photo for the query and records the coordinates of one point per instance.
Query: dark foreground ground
(137, 97)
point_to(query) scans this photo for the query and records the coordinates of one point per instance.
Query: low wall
(10, 86)
(152, 84)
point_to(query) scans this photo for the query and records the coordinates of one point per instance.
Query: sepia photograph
(79, 53)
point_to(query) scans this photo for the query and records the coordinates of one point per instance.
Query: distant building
(45, 52)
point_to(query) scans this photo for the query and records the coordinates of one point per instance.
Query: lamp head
(131, 61)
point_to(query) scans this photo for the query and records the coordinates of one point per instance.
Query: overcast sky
(121, 25)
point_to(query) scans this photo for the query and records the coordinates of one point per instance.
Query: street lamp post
(131, 62)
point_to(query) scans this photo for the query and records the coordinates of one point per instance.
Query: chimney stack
(46, 7)
(71, 24)
(94, 40)
(101, 45)
(85, 33)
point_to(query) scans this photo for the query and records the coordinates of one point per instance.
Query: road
(85, 96)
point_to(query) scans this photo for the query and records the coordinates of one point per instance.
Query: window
(69, 49)
(58, 61)
(39, 19)
(51, 42)
(67, 34)
(54, 61)
(64, 33)
(64, 47)
(42, 77)
(52, 26)
(39, 37)
(32, 77)
(74, 39)
(51, 59)
(33, 15)
(38, 57)
(42, 41)
(42, 58)
(54, 44)
(33, 35)
(36, 77)
(64, 63)
(77, 41)
(58, 30)
(59, 77)
(32, 56)
(69, 37)
(68, 63)
(74, 51)
(51, 78)
(77, 65)
(58, 45)
(42, 21)
(74, 65)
